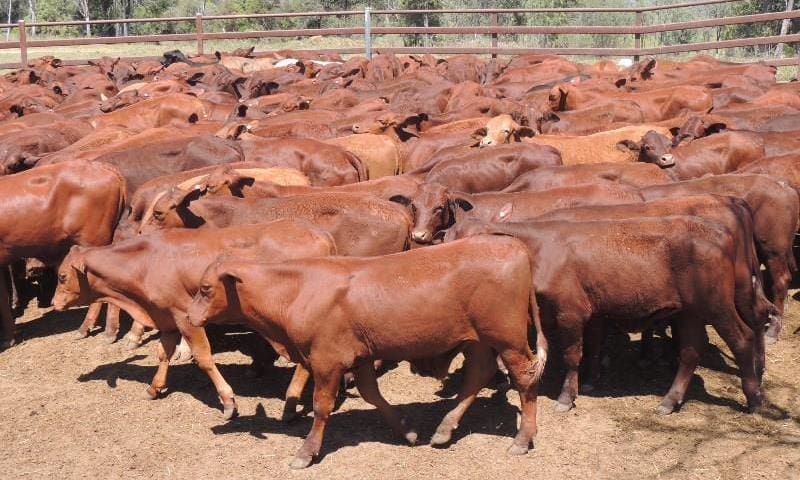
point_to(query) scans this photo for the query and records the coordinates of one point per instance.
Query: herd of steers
(356, 213)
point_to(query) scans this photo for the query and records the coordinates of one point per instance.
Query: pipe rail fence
(637, 29)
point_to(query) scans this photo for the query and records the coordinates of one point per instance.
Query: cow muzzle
(667, 160)
(486, 142)
(421, 236)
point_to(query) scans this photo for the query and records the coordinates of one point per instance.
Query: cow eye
(62, 278)
(205, 290)
(506, 131)
(158, 216)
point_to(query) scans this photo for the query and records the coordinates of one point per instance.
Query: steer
(632, 273)
(631, 174)
(436, 209)
(775, 208)
(717, 154)
(153, 277)
(45, 210)
(340, 314)
(361, 225)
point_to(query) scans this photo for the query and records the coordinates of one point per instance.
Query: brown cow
(335, 315)
(717, 154)
(436, 209)
(631, 174)
(161, 274)
(589, 273)
(47, 209)
(486, 171)
(775, 210)
(360, 224)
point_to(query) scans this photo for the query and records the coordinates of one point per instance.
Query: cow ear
(463, 204)
(716, 128)
(479, 133)
(522, 132)
(218, 55)
(621, 82)
(229, 275)
(195, 78)
(647, 70)
(57, 90)
(401, 199)
(626, 145)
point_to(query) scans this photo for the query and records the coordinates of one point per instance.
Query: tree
(83, 9)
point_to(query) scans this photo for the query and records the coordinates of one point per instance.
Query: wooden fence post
(198, 30)
(495, 22)
(23, 44)
(637, 38)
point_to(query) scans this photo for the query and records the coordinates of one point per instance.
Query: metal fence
(492, 32)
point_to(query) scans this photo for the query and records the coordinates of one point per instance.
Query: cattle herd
(356, 213)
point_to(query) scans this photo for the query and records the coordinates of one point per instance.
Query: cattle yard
(401, 262)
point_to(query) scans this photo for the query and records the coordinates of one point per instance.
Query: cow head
(557, 98)
(501, 129)
(637, 72)
(16, 159)
(171, 209)
(173, 56)
(216, 294)
(390, 121)
(227, 178)
(72, 288)
(433, 208)
(120, 100)
(652, 148)
(694, 128)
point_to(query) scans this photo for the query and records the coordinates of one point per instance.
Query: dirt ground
(75, 409)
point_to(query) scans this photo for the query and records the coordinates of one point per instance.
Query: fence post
(23, 44)
(427, 35)
(367, 34)
(495, 22)
(637, 38)
(198, 30)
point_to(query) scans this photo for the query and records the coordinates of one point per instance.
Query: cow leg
(326, 386)
(294, 392)
(7, 318)
(133, 339)
(201, 349)
(367, 385)
(692, 341)
(165, 349)
(112, 323)
(522, 367)
(592, 351)
(741, 340)
(777, 291)
(89, 321)
(480, 365)
(571, 333)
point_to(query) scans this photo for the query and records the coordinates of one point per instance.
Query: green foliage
(55, 10)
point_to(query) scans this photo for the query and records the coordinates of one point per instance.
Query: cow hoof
(288, 415)
(563, 407)
(151, 393)
(665, 409)
(131, 343)
(301, 462)
(411, 437)
(587, 388)
(770, 340)
(109, 339)
(515, 449)
(441, 437)
(229, 412)
(348, 381)
(80, 335)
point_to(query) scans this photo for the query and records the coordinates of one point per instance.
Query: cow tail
(361, 168)
(541, 341)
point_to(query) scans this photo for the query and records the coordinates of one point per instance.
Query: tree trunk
(32, 11)
(8, 30)
(784, 27)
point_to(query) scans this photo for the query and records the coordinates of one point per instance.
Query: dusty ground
(74, 409)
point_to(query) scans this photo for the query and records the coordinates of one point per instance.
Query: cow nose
(667, 160)
(420, 235)
(486, 142)
(356, 129)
